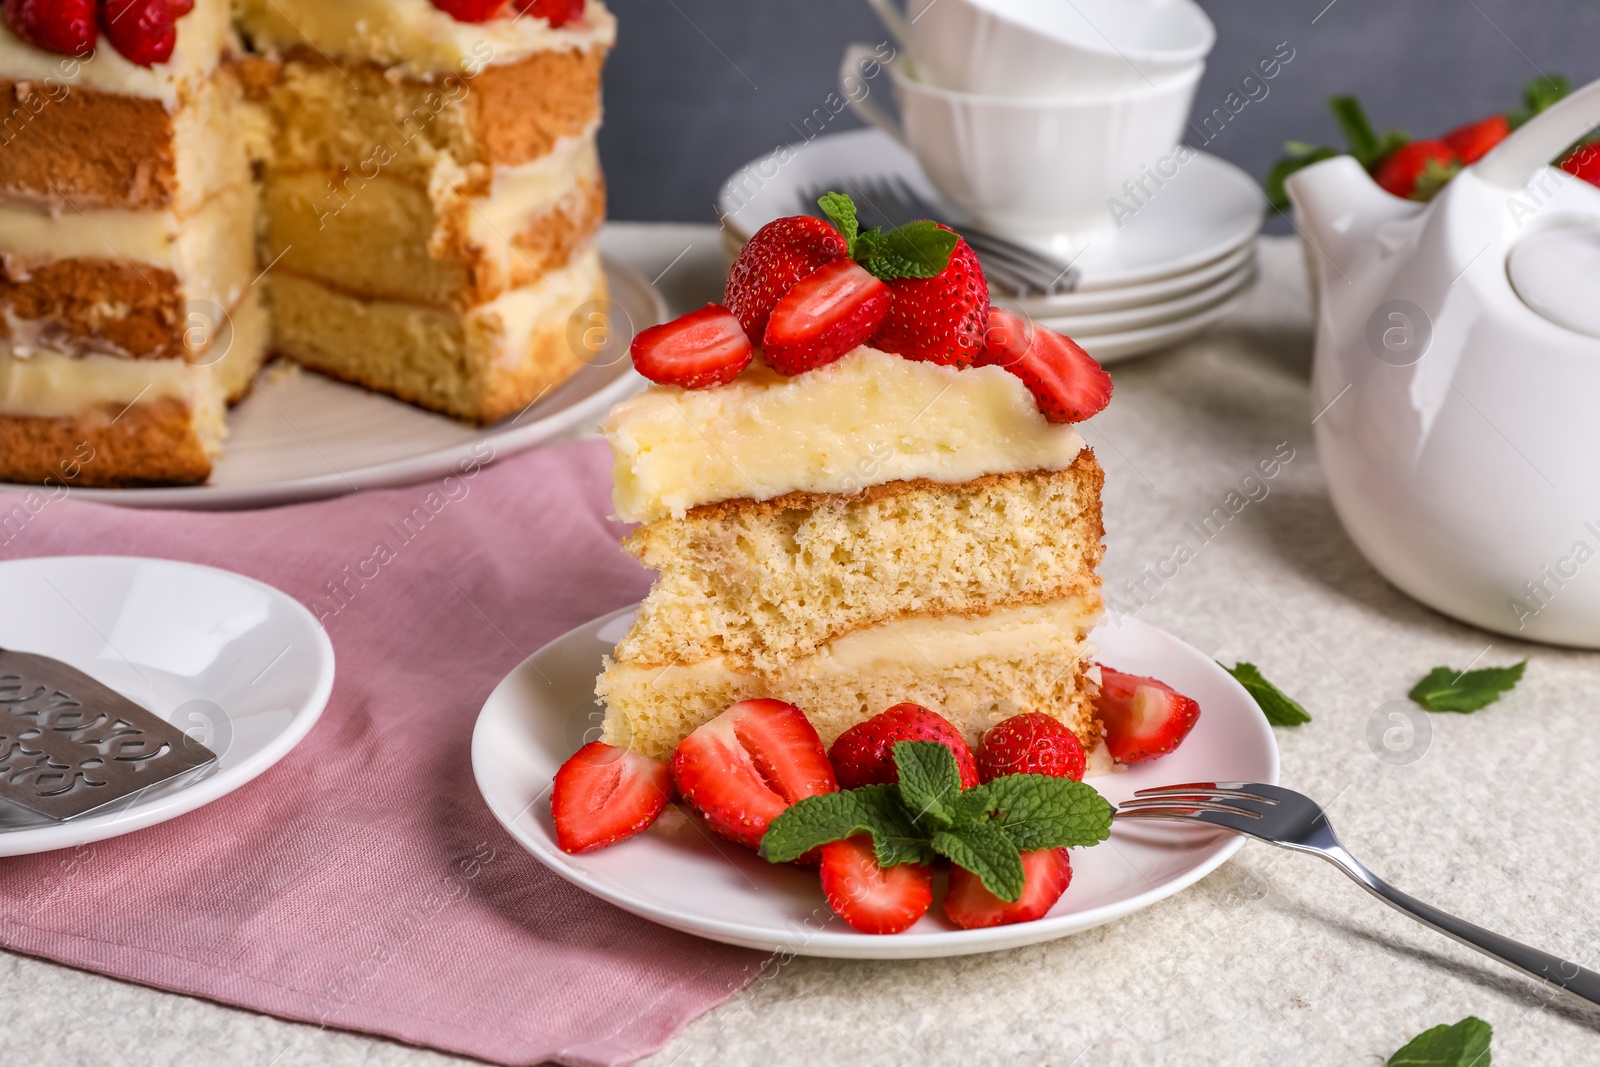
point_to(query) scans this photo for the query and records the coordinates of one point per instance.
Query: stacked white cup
(1030, 114)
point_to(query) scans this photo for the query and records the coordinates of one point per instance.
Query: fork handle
(1541, 966)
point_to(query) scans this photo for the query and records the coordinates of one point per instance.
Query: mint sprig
(920, 249)
(1462, 1044)
(1447, 689)
(1279, 708)
(984, 829)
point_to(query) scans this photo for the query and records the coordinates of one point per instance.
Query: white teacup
(1041, 169)
(1049, 48)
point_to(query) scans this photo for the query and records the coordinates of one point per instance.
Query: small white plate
(236, 664)
(1186, 306)
(1099, 301)
(677, 875)
(1208, 209)
(1114, 347)
(301, 436)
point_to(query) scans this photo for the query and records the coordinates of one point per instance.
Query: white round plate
(1113, 347)
(301, 436)
(1098, 301)
(1186, 306)
(677, 875)
(238, 665)
(1207, 210)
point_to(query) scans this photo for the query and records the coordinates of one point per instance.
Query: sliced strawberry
(1143, 718)
(1046, 874)
(557, 12)
(696, 351)
(470, 10)
(64, 26)
(1584, 162)
(873, 899)
(827, 313)
(180, 8)
(1066, 382)
(939, 319)
(1473, 141)
(780, 254)
(144, 31)
(1417, 169)
(741, 769)
(864, 754)
(605, 794)
(1031, 743)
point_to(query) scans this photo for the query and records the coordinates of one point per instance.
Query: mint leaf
(1279, 708)
(929, 781)
(916, 250)
(873, 809)
(1447, 689)
(1465, 1044)
(841, 211)
(1036, 811)
(1539, 95)
(987, 852)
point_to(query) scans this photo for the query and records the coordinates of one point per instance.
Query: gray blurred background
(697, 88)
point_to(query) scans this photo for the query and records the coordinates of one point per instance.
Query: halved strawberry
(1031, 743)
(1584, 162)
(939, 319)
(63, 26)
(1417, 169)
(695, 351)
(780, 254)
(557, 12)
(1046, 874)
(743, 768)
(470, 10)
(1066, 382)
(873, 899)
(864, 754)
(1473, 141)
(604, 794)
(827, 313)
(1143, 718)
(144, 31)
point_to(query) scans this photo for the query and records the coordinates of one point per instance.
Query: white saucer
(1185, 306)
(676, 875)
(1125, 297)
(301, 436)
(235, 663)
(1207, 210)
(1113, 347)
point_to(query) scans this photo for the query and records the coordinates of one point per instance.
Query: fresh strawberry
(144, 31)
(864, 754)
(1143, 718)
(1417, 169)
(939, 319)
(180, 8)
(471, 10)
(696, 351)
(780, 254)
(826, 314)
(873, 899)
(1031, 743)
(741, 769)
(1046, 874)
(557, 12)
(605, 794)
(1584, 162)
(64, 26)
(1473, 141)
(1066, 382)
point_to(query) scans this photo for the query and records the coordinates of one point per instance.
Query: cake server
(1290, 820)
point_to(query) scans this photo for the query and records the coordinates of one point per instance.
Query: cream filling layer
(521, 193)
(868, 418)
(204, 35)
(414, 35)
(506, 326)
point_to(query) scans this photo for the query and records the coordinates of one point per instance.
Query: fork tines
(1194, 800)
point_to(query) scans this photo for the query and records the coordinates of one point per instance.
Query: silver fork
(1289, 820)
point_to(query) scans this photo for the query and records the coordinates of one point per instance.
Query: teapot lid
(1556, 272)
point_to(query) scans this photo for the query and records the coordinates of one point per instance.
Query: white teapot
(1456, 386)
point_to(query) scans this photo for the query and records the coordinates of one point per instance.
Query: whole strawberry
(940, 318)
(63, 26)
(144, 31)
(471, 10)
(864, 754)
(780, 254)
(1032, 743)
(557, 12)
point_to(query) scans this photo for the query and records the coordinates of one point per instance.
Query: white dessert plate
(1099, 301)
(1208, 209)
(300, 436)
(236, 664)
(1114, 347)
(677, 875)
(1180, 307)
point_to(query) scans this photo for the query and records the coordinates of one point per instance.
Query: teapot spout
(1338, 207)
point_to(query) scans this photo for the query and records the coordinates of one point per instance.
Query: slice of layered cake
(847, 526)
(128, 320)
(433, 192)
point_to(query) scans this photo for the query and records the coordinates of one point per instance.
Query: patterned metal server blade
(70, 746)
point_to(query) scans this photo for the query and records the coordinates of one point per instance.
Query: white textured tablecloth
(1275, 958)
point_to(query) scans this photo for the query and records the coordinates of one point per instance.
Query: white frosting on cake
(868, 418)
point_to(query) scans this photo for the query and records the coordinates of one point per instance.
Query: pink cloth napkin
(361, 883)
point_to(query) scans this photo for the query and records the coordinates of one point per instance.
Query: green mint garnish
(916, 250)
(984, 829)
(1465, 1044)
(1447, 689)
(1279, 708)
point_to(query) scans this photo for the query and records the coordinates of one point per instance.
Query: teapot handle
(1520, 156)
